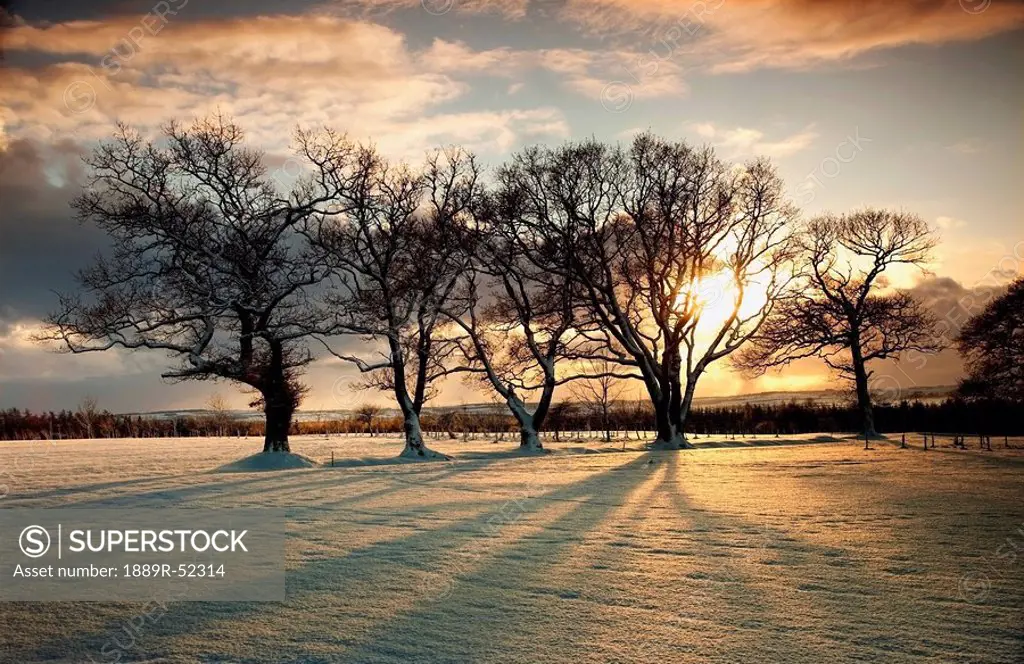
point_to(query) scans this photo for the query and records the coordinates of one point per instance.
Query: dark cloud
(41, 243)
(952, 303)
(121, 394)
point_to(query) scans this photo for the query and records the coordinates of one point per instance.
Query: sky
(912, 105)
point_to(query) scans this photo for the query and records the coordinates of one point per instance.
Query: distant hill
(924, 394)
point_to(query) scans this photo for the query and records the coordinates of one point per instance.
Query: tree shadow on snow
(308, 620)
(468, 588)
(788, 597)
(258, 487)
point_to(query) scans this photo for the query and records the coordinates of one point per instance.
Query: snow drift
(265, 461)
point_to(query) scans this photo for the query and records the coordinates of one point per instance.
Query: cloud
(740, 35)
(584, 72)
(947, 223)
(269, 72)
(448, 56)
(507, 9)
(42, 243)
(952, 304)
(739, 142)
(485, 130)
(73, 80)
(967, 146)
(595, 77)
(25, 359)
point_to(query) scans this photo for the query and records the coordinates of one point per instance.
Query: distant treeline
(950, 416)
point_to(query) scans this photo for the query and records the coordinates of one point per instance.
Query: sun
(719, 297)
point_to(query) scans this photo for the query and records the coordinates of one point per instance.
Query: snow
(759, 550)
(264, 461)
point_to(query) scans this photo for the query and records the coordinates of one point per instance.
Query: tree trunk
(540, 413)
(415, 448)
(860, 375)
(662, 424)
(278, 410)
(668, 414)
(279, 401)
(669, 436)
(684, 408)
(529, 440)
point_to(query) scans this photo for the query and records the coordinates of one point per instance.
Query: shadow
(471, 455)
(490, 589)
(598, 563)
(790, 598)
(765, 442)
(265, 486)
(382, 570)
(99, 486)
(262, 485)
(729, 556)
(641, 560)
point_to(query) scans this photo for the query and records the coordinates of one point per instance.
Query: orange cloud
(740, 35)
(275, 71)
(270, 72)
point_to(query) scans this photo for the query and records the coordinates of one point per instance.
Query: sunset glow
(511, 331)
(837, 86)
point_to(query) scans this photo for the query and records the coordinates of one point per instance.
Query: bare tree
(844, 313)
(515, 311)
(221, 412)
(394, 245)
(599, 395)
(88, 415)
(368, 414)
(646, 234)
(206, 262)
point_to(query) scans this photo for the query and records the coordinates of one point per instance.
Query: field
(747, 551)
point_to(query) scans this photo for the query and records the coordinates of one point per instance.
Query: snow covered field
(753, 552)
